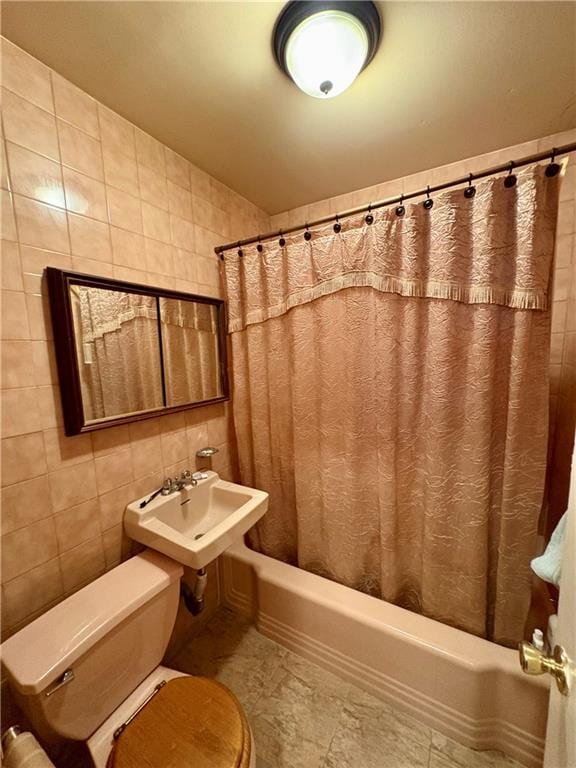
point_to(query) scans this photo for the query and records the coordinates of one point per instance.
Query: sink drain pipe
(194, 596)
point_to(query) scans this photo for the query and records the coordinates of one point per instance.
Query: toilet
(89, 670)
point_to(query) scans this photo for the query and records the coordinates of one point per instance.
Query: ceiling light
(323, 46)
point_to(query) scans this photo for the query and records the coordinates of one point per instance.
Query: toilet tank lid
(37, 655)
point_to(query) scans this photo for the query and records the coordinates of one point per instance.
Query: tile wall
(84, 189)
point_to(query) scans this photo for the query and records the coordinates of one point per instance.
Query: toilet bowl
(89, 670)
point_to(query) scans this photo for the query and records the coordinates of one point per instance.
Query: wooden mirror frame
(59, 283)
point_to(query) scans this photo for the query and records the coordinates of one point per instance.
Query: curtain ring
(428, 203)
(307, 234)
(369, 218)
(240, 254)
(510, 180)
(259, 247)
(337, 227)
(281, 242)
(400, 209)
(221, 255)
(470, 191)
(552, 169)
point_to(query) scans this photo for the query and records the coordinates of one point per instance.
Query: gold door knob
(535, 662)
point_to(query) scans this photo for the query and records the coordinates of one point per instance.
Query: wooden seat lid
(192, 722)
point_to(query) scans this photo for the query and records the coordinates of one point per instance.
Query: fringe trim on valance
(117, 322)
(516, 298)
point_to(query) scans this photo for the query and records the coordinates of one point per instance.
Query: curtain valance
(493, 248)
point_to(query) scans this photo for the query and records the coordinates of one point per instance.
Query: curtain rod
(529, 160)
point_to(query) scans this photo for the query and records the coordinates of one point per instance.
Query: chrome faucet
(172, 484)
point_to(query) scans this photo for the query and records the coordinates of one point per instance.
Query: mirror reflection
(190, 345)
(118, 351)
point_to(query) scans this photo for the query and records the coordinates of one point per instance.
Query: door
(560, 749)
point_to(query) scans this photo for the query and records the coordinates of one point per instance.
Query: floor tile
(373, 735)
(295, 721)
(231, 650)
(463, 757)
(305, 717)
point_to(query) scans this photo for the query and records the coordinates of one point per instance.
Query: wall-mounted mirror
(128, 352)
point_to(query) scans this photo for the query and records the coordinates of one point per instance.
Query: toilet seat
(192, 722)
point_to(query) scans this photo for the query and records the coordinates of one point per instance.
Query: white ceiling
(450, 80)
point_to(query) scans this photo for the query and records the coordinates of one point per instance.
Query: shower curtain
(391, 394)
(119, 350)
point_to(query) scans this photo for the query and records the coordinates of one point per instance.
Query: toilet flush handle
(63, 680)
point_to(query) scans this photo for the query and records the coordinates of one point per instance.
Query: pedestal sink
(195, 525)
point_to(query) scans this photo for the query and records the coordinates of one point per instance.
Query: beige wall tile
(113, 503)
(82, 564)
(156, 222)
(11, 267)
(75, 106)
(41, 225)
(17, 364)
(89, 239)
(35, 176)
(80, 151)
(23, 458)
(124, 210)
(48, 476)
(77, 524)
(182, 233)
(200, 183)
(36, 589)
(111, 440)
(25, 503)
(29, 126)
(120, 170)
(28, 547)
(128, 248)
(38, 310)
(185, 266)
(62, 451)
(147, 456)
(34, 262)
(8, 222)
(90, 267)
(116, 132)
(50, 406)
(159, 257)
(44, 363)
(20, 413)
(112, 540)
(114, 470)
(14, 316)
(153, 187)
(85, 195)
(174, 447)
(72, 485)
(197, 437)
(26, 76)
(179, 201)
(177, 169)
(150, 153)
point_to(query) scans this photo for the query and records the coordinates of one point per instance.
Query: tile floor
(305, 717)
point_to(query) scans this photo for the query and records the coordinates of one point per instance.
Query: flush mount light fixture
(323, 46)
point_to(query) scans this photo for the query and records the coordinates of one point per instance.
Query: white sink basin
(195, 525)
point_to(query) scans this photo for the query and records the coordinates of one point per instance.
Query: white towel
(549, 565)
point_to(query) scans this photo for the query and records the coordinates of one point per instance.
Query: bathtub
(468, 688)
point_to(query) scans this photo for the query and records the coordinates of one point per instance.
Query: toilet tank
(111, 635)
